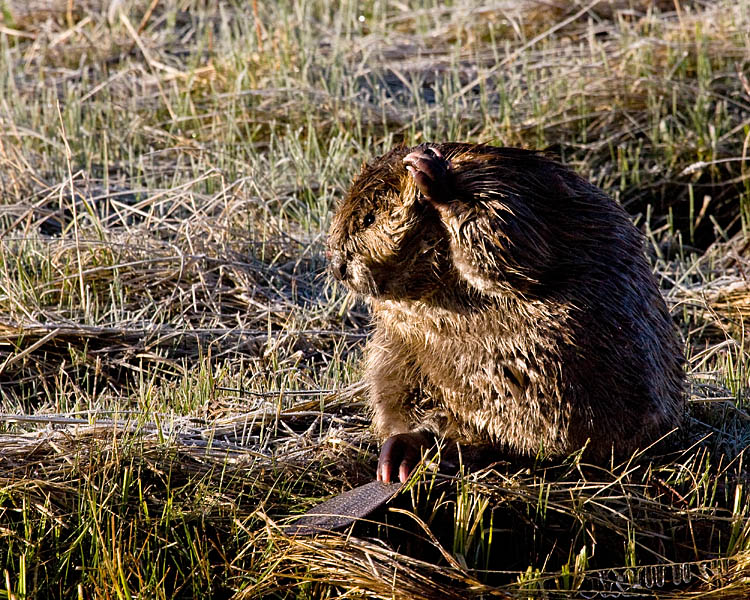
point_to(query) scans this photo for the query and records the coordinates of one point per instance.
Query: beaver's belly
(488, 377)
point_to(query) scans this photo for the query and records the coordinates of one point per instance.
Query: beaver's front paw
(432, 174)
(401, 452)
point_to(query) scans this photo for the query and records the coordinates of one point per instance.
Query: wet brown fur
(524, 315)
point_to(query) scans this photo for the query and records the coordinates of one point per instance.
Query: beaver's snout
(337, 264)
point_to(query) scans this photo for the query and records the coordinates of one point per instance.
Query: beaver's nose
(337, 265)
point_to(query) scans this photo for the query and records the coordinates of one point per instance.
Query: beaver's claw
(431, 172)
(400, 454)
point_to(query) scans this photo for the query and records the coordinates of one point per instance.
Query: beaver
(513, 307)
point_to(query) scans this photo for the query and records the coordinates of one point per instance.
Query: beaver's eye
(368, 220)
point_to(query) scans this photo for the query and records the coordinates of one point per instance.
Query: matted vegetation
(179, 376)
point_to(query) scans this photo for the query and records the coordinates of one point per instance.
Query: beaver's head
(384, 241)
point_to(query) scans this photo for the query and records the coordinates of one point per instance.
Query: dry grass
(177, 373)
